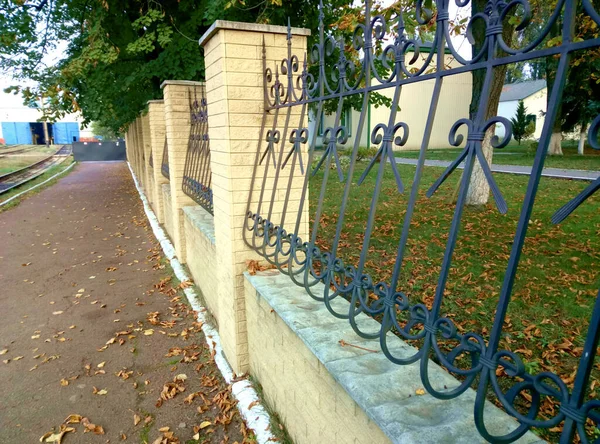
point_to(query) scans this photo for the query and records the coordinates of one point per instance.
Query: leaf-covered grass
(523, 155)
(558, 276)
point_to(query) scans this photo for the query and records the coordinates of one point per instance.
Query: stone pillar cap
(251, 27)
(180, 82)
(156, 101)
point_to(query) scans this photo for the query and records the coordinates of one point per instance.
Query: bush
(365, 153)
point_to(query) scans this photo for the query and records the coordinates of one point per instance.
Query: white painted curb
(256, 417)
(38, 185)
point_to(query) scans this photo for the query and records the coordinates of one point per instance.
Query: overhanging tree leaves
(121, 51)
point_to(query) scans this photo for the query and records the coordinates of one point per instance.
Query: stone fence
(327, 384)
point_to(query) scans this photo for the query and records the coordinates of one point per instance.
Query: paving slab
(560, 173)
(89, 316)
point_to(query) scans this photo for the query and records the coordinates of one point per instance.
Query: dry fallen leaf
(64, 382)
(73, 419)
(204, 424)
(100, 392)
(101, 364)
(56, 437)
(148, 332)
(3, 351)
(420, 392)
(136, 420)
(57, 312)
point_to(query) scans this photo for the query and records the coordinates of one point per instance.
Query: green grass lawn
(522, 155)
(558, 277)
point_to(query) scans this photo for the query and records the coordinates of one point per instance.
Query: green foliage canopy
(119, 51)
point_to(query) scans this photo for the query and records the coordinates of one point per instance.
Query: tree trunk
(555, 145)
(582, 136)
(479, 190)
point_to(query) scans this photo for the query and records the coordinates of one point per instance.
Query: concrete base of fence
(199, 233)
(167, 209)
(348, 392)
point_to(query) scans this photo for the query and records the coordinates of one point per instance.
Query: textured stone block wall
(177, 122)
(147, 149)
(312, 405)
(234, 90)
(156, 117)
(200, 244)
(167, 209)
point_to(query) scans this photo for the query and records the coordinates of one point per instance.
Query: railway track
(19, 177)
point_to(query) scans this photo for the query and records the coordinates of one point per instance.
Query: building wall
(415, 101)
(535, 104)
(13, 111)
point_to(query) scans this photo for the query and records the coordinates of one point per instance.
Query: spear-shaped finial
(289, 30)
(400, 28)
(321, 13)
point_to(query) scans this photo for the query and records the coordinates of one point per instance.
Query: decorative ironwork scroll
(164, 166)
(197, 173)
(292, 89)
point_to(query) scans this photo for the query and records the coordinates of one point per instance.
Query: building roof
(521, 90)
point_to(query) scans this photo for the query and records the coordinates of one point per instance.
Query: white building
(533, 93)
(414, 104)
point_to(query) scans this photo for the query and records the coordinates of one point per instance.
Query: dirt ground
(95, 338)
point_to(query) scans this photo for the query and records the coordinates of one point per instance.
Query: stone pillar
(156, 117)
(133, 149)
(234, 90)
(147, 149)
(176, 95)
(140, 148)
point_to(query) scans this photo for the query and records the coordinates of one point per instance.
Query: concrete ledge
(179, 82)
(252, 27)
(380, 390)
(202, 220)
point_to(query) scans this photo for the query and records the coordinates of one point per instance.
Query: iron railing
(291, 89)
(197, 173)
(164, 166)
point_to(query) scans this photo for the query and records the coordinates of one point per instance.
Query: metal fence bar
(164, 166)
(197, 173)
(335, 77)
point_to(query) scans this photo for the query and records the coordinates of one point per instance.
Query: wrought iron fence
(293, 91)
(197, 173)
(164, 166)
